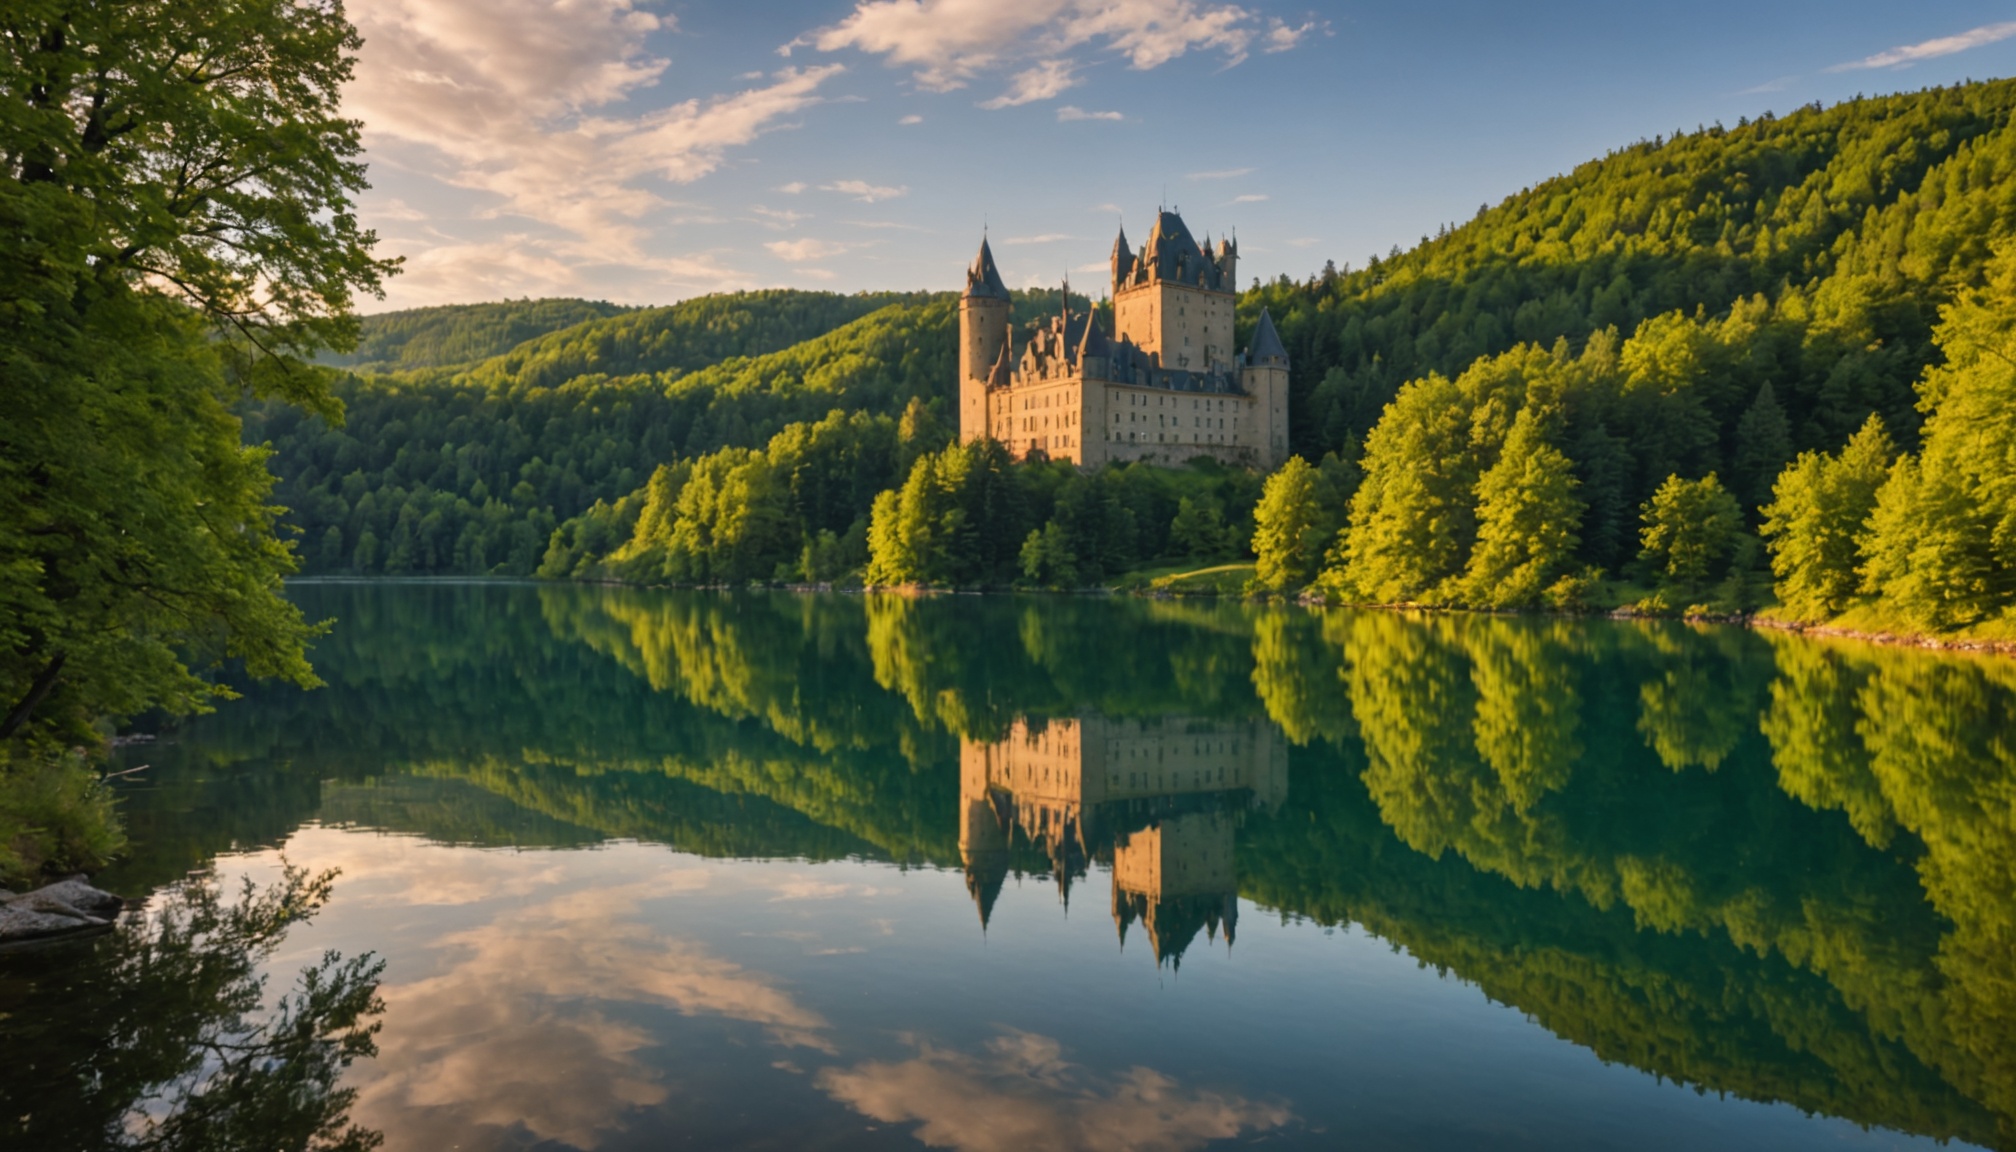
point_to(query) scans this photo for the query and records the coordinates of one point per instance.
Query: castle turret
(1123, 261)
(1265, 378)
(983, 335)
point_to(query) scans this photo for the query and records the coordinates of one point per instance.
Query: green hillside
(459, 333)
(470, 468)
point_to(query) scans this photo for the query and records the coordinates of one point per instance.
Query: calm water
(654, 869)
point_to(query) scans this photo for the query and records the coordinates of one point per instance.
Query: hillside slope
(459, 333)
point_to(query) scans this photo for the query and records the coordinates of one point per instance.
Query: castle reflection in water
(1157, 801)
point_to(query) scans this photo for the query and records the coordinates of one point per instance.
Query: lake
(762, 870)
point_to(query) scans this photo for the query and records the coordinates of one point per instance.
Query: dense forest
(1633, 384)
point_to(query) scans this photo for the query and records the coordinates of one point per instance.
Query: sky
(649, 151)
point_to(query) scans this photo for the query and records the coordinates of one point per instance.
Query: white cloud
(1906, 55)
(1021, 1093)
(508, 99)
(1283, 38)
(1071, 112)
(950, 42)
(865, 192)
(800, 251)
(779, 217)
(1778, 85)
(1219, 174)
(1304, 242)
(1046, 81)
(1045, 238)
(1250, 198)
(913, 118)
(793, 188)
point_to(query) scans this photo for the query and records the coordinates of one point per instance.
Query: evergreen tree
(1412, 519)
(1199, 530)
(1763, 445)
(1815, 521)
(1527, 516)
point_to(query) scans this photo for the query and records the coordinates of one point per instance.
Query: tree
(1941, 546)
(1763, 445)
(1690, 528)
(176, 190)
(1289, 529)
(1816, 518)
(1046, 558)
(1527, 516)
(1412, 519)
(1199, 529)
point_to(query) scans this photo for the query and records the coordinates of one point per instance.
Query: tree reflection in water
(1754, 863)
(159, 1035)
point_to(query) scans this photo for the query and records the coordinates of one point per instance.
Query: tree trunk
(37, 691)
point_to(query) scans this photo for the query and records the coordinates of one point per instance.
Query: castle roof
(1267, 342)
(984, 279)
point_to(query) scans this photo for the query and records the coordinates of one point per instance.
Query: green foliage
(1941, 547)
(1815, 522)
(1853, 222)
(1691, 528)
(1527, 514)
(739, 515)
(450, 334)
(1291, 528)
(178, 201)
(473, 470)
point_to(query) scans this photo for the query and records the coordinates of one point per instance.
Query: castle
(1159, 799)
(1165, 387)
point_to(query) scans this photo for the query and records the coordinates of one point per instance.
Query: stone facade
(1165, 386)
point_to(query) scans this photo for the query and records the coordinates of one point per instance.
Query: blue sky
(646, 151)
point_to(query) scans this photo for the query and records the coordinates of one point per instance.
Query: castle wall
(1184, 326)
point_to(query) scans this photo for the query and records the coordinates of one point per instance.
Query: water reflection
(1754, 864)
(1157, 801)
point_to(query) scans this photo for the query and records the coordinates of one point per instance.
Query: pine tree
(1528, 514)
(1763, 445)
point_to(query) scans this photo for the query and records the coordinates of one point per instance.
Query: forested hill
(1850, 224)
(468, 468)
(459, 333)
(1709, 305)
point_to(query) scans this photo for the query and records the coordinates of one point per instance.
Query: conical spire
(984, 279)
(1267, 347)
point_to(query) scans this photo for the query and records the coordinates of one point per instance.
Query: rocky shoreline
(69, 907)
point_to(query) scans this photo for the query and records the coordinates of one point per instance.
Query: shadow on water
(1757, 864)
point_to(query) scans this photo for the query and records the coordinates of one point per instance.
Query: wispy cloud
(1071, 112)
(515, 100)
(951, 42)
(1219, 174)
(1905, 55)
(802, 251)
(913, 118)
(1778, 85)
(865, 192)
(1045, 81)
(793, 188)
(1250, 198)
(1045, 238)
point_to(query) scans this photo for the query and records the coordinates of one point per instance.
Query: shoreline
(2005, 648)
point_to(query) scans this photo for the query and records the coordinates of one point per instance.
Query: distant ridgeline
(1713, 304)
(1748, 862)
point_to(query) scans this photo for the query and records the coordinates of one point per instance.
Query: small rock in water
(60, 909)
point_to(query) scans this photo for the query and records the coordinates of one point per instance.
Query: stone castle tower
(1164, 387)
